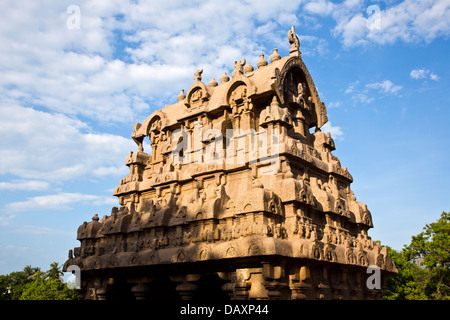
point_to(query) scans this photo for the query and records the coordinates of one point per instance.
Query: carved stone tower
(239, 197)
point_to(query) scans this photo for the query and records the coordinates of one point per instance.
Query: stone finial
(274, 102)
(198, 75)
(293, 40)
(95, 217)
(248, 68)
(213, 83)
(224, 78)
(275, 55)
(181, 96)
(238, 68)
(261, 62)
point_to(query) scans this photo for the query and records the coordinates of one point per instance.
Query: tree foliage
(33, 284)
(47, 289)
(423, 265)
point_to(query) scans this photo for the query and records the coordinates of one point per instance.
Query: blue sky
(69, 97)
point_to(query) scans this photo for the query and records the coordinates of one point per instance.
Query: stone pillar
(300, 284)
(323, 287)
(186, 289)
(264, 283)
(103, 289)
(228, 287)
(141, 291)
(273, 276)
(82, 291)
(140, 287)
(257, 289)
(355, 283)
(338, 279)
(242, 284)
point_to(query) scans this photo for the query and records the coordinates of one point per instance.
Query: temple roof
(267, 79)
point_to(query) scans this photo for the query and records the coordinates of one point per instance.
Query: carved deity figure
(238, 68)
(300, 99)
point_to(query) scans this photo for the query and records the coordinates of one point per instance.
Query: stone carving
(265, 212)
(238, 68)
(261, 62)
(275, 56)
(198, 75)
(293, 40)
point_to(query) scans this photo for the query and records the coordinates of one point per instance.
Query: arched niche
(196, 95)
(293, 74)
(153, 128)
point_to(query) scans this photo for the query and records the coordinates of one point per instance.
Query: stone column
(300, 284)
(186, 289)
(141, 291)
(273, 280)
(323, 288)
(141, 287)
(338, 280)
(228, 287)
(103, 289)
(242, 284)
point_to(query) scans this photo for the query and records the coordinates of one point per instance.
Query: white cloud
(127, 55)
(321, 7)
(312, 45)
(418, 73)
(434, 77)
(60, 201)
(362, 97)
(335, 131)
(25, 185)
(423, 74)
(40, 230)
(408, 21)
(6, 218)
(351, 87)
(336, 104)
(54, 148)
(352, 31)
(362, 94)
(385, 86)
(358, 94)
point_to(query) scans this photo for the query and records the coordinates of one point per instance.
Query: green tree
(423, 265)
(47, 289)
(431, 249)
(30, 272)
(33, 284)
(12, 285)
(54, 272)
(408, 283)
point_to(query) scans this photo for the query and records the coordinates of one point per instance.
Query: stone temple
(240, 197)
